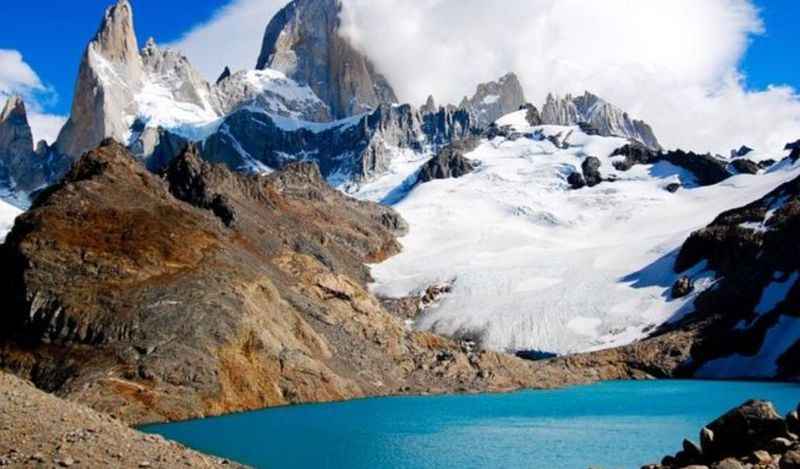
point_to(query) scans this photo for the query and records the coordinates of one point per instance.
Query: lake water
(608, 425)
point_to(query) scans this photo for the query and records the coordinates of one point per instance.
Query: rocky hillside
(749, 321)
(202, 292)
(752, 435)
(41, 430)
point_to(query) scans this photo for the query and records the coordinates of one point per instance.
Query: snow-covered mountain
(533, 264)
(553, 230)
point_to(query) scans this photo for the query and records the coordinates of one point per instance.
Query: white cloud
(670, 62)
(18, 78)
(231, 38)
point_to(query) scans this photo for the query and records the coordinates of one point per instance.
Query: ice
(538, 266)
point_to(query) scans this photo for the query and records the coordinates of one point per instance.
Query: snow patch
(8, 214)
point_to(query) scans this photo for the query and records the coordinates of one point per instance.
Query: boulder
(591, 171)
(576, 180)
(673, 187)
(790, 460)
(682, 287)
(448, 163)
(745, 429)
(729, 463)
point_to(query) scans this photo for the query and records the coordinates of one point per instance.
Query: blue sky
(52, 43)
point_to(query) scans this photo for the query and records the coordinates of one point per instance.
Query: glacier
(535, 265)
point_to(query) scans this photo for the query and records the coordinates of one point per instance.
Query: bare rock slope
(41, 430)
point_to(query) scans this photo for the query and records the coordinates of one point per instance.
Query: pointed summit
(303, 41)
(14, 109)
(109, 77)
(115, 38)
(494, 99)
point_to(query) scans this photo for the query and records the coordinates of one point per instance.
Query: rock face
(706, 169)
(607, 119)
(750, 249)
(204, 292)
(591, 171)
(109, 77)
(450, 162)
(751, 435)
(494, 100)
(350, 150)
(23, 169)
(304, 41)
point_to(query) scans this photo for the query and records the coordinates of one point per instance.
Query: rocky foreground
(38, 430)
(752, 436)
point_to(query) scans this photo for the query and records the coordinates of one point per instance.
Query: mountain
(494, 100)
(259, 283)
(605, 118)
(109, 77)
(22, 169)
(304, 41)
(531, 263)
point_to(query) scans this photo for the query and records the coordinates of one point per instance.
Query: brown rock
(790, 460)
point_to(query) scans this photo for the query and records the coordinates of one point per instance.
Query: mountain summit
(110, 75)
(304, 42)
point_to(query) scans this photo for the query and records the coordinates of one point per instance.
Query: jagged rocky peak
(607, 119)
(429, 106)
(303, 41)
(494, 99)
(16, 138)
(109, 76)
(224, 75)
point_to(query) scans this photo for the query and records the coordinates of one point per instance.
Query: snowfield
(536, 265)
(8, 214)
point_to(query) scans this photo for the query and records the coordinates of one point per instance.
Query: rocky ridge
(605, 118)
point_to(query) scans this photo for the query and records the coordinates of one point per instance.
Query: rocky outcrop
(305, 42)
(450, 162)
(748, 248)
(745, 166)
(751, 435)
(494, 100)
(591, 171)
(706, 169)
(41, 430)
(607, 119)
(110, 75)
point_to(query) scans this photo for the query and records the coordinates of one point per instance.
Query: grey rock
(673, 187)
(532, 115)
(591, 171)
(745, 166)
(450, 162)
(576, 180)
(607, 119)
(109, 76)
(682, 287)
(745, 429)
(224, 75)
(494, 99)
(304, 41)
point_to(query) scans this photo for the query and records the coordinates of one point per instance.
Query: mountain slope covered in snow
(536, 265)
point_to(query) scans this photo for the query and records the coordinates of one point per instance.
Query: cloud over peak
(673, 63)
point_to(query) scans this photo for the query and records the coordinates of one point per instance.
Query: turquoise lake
(608, 425)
